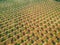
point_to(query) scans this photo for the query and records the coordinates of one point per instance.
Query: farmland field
(29, 22)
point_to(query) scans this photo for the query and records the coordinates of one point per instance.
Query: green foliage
(7, 32)
(29, 44)
(0, 25)
(57, 0)
(1, 35)
(2, 0)
(3, 39)
(17, 44)
(10, 35)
